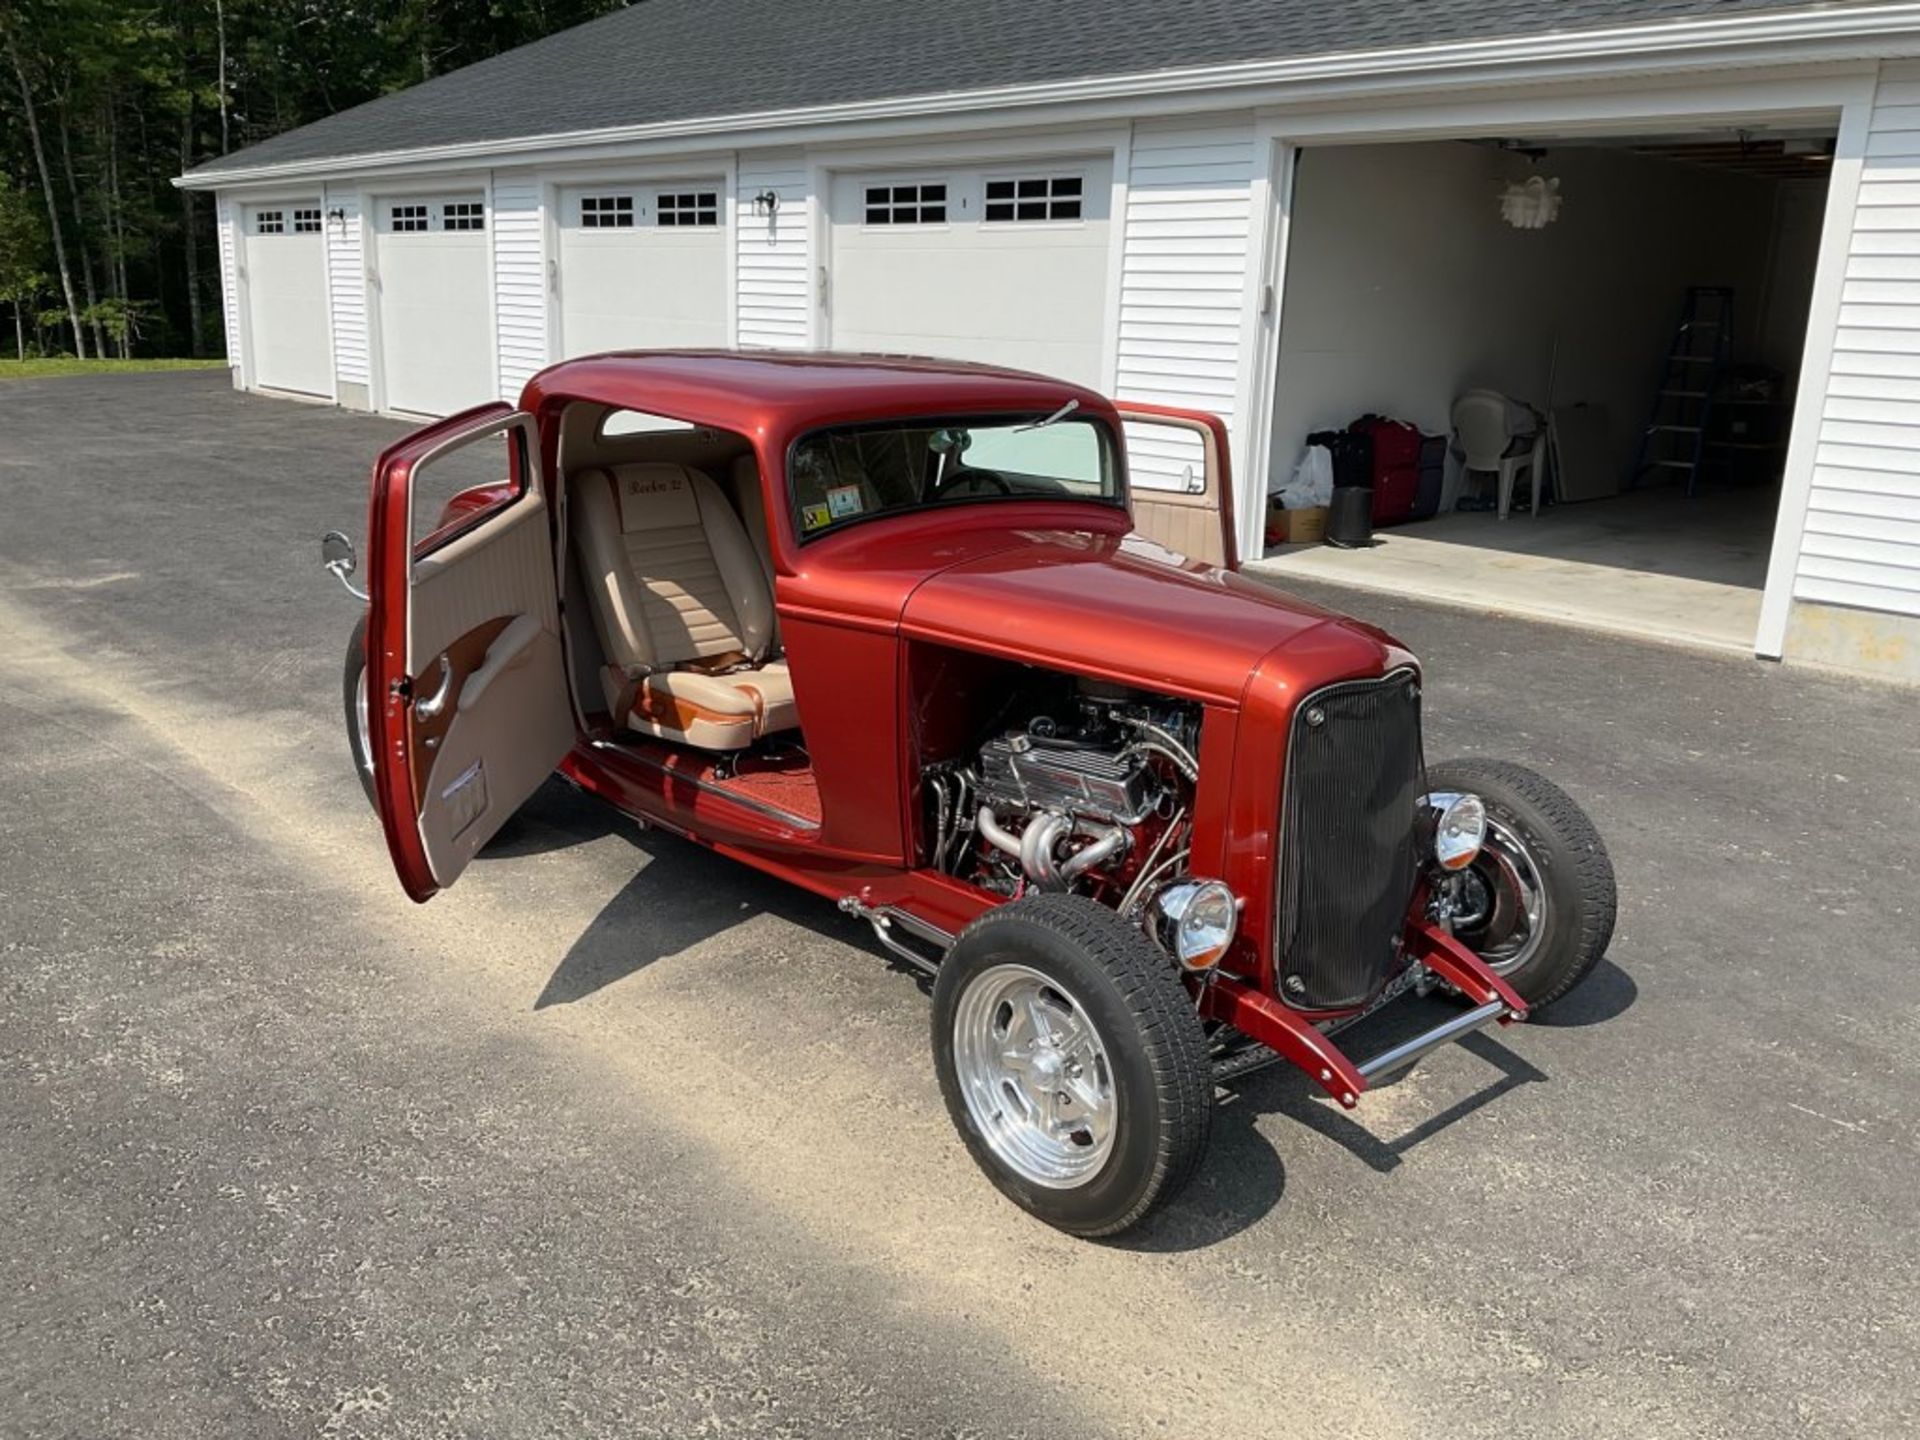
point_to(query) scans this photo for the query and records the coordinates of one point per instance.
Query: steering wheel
(971, 477)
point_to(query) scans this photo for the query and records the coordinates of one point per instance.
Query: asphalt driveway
(619, 1138)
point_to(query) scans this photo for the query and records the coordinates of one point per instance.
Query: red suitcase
(1395, 495)
(1396, 467)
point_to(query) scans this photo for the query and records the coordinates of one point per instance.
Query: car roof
(784, 392)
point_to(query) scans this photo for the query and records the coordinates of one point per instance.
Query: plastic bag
(1312, 482)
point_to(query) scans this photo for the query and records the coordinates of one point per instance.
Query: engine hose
(1154, 739)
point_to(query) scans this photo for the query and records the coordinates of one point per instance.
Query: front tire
(353, 685)
(1072, 1062)
(1538, 904)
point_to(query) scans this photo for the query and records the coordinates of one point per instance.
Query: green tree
(108, 100)
(22, 253)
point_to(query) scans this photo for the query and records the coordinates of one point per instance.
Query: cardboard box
(1306, 527)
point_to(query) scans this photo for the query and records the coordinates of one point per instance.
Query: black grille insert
(1347, 858)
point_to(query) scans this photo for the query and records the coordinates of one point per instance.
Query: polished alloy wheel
(366, 732)
(1035, 1075)
(1502, 912)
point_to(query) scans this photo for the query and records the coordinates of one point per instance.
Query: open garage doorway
(1634, 308)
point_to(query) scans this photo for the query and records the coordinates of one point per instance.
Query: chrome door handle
(427, 707)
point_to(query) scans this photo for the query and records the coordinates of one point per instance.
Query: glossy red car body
(1060, 585)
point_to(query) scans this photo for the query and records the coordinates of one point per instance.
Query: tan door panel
(485, 602)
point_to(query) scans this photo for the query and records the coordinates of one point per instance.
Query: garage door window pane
(270, 222)
(907, 204)
(306, 222)
(408, 217)
(688, 207)
(1044, 197)
(463, 215)
(606, 212)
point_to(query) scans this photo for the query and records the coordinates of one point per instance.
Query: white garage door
(432, 271)
(286, 261)
(642, 266)
(999, 264)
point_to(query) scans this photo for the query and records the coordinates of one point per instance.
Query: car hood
(1130, 610)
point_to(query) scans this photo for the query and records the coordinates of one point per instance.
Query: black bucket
(1350, 517)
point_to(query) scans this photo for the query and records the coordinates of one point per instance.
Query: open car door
(1181, 489)
(467, 697)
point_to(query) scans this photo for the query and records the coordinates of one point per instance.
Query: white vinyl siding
(229, 276)
(519, 277)
(773, 270)
(1861, 546)
(1189, 223)
(347, 285)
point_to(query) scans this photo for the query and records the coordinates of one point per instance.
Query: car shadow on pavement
(1244, 1178)
(1606, 994)
(684, 894)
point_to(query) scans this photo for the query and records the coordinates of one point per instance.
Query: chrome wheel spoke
(1038, 1020)
(1510, 929)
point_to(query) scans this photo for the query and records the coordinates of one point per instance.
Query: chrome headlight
(1458, 826)
(1194, 921)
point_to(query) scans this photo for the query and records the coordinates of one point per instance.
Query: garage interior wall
(1405, 286)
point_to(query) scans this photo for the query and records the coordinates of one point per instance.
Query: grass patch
(42, 369)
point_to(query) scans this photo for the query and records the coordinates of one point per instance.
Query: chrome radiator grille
(1347, 860)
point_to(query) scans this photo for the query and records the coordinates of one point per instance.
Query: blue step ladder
(1676, 434)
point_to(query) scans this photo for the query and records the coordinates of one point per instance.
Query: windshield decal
(844, 500)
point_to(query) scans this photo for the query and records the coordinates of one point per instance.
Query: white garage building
(1282, 211)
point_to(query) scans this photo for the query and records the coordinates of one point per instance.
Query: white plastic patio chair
(1485, 426)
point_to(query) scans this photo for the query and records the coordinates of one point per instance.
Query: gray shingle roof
(668, 60)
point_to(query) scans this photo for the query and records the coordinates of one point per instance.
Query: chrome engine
(1094, 795)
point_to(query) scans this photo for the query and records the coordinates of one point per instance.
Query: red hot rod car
(887, 629)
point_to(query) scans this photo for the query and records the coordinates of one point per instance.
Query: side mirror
(338, 558)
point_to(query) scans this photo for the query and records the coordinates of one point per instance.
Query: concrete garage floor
(620, 1139)
(1650, 563)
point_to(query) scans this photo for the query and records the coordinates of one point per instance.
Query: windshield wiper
(1054, 419)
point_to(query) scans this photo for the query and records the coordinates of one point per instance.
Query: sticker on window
(815, 517)
(844, 500)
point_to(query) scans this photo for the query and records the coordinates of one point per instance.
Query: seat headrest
(653, 495)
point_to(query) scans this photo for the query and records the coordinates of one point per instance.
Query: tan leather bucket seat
(683, 606)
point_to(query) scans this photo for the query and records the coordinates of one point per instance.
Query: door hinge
(1266, 300)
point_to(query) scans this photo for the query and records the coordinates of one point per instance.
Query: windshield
(842, 476)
